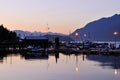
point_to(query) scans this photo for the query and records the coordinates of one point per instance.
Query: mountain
(51, 36)
(100, 30)
(22, 34)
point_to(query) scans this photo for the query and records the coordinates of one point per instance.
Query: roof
(35, 38)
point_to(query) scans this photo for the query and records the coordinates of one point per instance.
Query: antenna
(47, 27)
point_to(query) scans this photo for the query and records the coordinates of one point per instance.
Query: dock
(21, 47)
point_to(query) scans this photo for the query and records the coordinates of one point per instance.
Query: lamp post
(115, 34)
(76, 34)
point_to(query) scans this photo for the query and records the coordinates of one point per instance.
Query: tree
(6, 35)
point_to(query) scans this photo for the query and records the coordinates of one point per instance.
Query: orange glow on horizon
(32, 28)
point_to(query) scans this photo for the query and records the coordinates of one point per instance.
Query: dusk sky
(60, 16)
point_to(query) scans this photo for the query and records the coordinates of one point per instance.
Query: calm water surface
(61, 67)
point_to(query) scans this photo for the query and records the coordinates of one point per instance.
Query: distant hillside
(50, 35)
(100, 30)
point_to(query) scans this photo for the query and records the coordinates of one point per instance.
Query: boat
(35, 49)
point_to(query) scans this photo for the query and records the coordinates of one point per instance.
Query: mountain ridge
(100, 30)
(22, 33)
(50, 35)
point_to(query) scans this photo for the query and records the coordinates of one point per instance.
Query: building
(36, 41)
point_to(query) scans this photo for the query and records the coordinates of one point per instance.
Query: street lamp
(85, 35)
(76, 34)
(115, 34)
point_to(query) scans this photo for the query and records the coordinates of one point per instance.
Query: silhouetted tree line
(7, 36)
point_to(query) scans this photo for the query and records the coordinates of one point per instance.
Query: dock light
(115, 34)
(115, 71)
(76, 69)
(76, 34)
(85, 35)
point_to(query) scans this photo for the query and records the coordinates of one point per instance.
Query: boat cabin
(36, 41)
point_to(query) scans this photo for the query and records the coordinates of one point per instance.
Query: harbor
(46, 48)
(60, 40)
(43, 57)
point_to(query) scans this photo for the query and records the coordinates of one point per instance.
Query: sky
(62, 16)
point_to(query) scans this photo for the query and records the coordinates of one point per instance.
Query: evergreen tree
(6, 35)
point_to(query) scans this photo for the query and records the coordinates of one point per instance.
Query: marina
(71, 48)
(39, 57)
(60, 40)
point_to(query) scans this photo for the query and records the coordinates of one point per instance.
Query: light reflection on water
(60, 67)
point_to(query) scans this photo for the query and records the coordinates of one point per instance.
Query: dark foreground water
(61, 67)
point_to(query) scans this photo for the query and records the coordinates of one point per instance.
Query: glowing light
(76, 34)
(85, 35)
(115, 33)
(115, 71)
(76, 69)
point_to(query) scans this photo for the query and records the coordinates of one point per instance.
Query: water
(61, 67)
